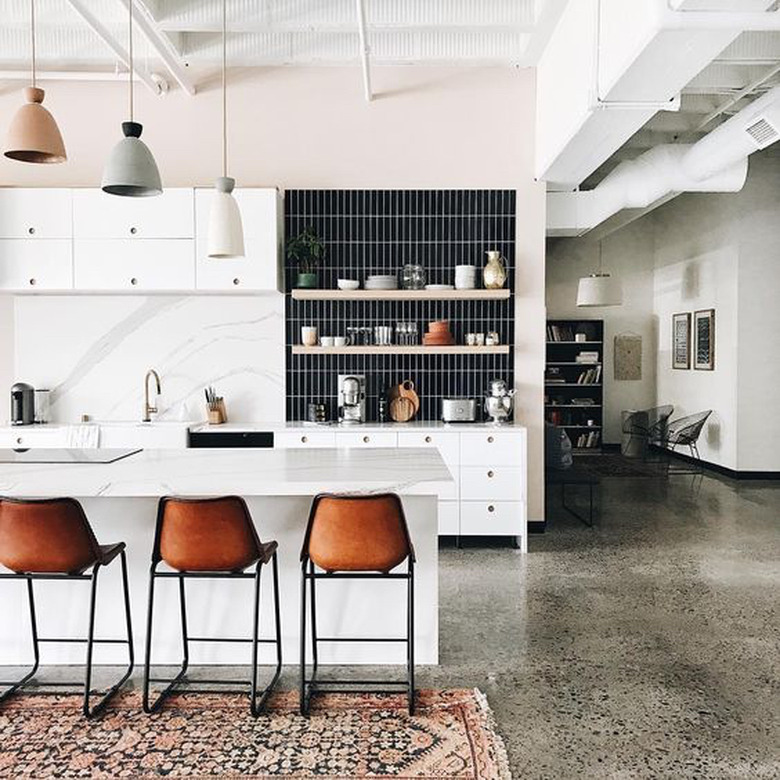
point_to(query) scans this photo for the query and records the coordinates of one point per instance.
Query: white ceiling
(184, 34)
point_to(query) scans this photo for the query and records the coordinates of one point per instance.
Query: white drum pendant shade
(131, 170)
(226, 231)
(599, 290)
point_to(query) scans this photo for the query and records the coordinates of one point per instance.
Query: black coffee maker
(22, 404)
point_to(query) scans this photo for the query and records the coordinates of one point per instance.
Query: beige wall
(310, 127)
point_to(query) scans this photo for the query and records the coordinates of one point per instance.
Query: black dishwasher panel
(224, 439)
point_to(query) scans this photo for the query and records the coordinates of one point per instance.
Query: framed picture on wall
(681, 340)
(704, 337)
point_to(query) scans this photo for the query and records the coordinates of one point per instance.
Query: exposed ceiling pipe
(365, 49)
(78, 75)
(716, 163)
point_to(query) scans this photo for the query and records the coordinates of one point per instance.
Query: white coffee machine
(352, 398)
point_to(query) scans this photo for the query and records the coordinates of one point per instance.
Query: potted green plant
(307, 250)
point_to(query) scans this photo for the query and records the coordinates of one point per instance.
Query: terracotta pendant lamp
(599, 289)
(226, 232)
(131, 170)
(33, 135)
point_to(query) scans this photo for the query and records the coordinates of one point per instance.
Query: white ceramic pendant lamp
(131, 170)
(33, 135)
(599, 289)
(226, 231)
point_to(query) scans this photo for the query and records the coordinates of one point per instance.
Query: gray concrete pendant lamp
(33, 135)
(599, 289)
(226, 231)
(131, 170)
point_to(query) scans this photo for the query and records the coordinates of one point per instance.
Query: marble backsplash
(92, 352)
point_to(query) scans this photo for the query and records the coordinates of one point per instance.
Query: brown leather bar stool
(212, 538)
(355, 537)
(51, 539)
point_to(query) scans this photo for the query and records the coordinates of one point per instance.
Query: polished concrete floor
(646, 647)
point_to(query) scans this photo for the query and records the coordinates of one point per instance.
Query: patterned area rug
(615, 465)
(213, 736)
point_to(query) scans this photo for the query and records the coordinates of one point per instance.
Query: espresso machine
(352, 398)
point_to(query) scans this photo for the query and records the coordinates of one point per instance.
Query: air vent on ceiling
(762, 132)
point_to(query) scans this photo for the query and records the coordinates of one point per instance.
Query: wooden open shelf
(501, 349)
(400, 295)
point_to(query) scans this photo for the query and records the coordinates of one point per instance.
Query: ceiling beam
(546, 22)
(120, 52)
(161, 45)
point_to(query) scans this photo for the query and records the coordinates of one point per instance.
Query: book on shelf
(590, 377)
(554, 376)
(588, 441)
(560, 333)
(587, 357)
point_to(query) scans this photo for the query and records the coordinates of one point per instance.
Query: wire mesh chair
(649, 426)
(685, 432)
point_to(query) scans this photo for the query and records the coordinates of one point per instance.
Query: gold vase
(494, 272)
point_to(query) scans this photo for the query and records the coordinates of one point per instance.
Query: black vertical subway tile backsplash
(378, 231)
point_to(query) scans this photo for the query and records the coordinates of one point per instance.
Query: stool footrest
(318, 683)
(361, 639)
(69, 640)
(229, 639)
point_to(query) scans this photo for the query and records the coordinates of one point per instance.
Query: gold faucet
(150, 410)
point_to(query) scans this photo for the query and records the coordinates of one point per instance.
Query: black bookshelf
(574, 381)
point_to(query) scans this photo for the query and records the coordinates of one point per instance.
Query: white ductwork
(717, 163)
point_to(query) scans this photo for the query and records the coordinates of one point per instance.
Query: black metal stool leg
(15, 686)
(303, 701)
(91, 712)
(172, 683)
(315, 654)
(410, 639)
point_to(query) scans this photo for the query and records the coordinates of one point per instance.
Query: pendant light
(599, 289)
(33, 135)
(226, 232)
(131, 170)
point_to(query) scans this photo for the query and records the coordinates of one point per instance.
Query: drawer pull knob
(490, 474)
(304, 439)
(491, 508)
(428, 440)
(31, 231)
(366, 439)
(19, 440)
(133, 231)
(33, 282)
(134, 281)
(236, 281)
(490, 439)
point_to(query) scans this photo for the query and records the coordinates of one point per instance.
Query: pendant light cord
(32, 39)
(600, 258)
(130, 54)
(224, 87)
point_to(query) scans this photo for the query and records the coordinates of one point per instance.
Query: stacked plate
(381, 282)
(438, 334)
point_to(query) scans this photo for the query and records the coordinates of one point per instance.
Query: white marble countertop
(246, 472)
(415, 425)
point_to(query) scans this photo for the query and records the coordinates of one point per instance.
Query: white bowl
(348, 284)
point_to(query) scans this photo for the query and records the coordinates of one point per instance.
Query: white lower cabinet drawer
(496, 483)
(447, 443)
(449, 518)
(493, 446)
(33, 437)
(367, 439)
(492, 518)
(296, 439)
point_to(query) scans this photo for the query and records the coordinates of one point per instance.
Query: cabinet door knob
(304, 439)
(490, 474)
(31, 231)
(490, 439)
(33, 282)
(19, 440)
(133, 231)
(134, 281)
(366, 439)
(491, 508)
(236, 281)
(428, 439)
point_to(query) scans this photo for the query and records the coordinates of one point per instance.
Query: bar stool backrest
(205, 534)
(49, 535)
(357, 533)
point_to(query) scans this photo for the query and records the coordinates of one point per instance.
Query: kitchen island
(120, 499)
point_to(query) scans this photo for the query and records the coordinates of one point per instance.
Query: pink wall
(311, 127)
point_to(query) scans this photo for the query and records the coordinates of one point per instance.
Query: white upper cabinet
(260, 268)
(36, 266)
(134, 266)
(98, 215)
(36, 213)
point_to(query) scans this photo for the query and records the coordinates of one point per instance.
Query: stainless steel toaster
(458, 409)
